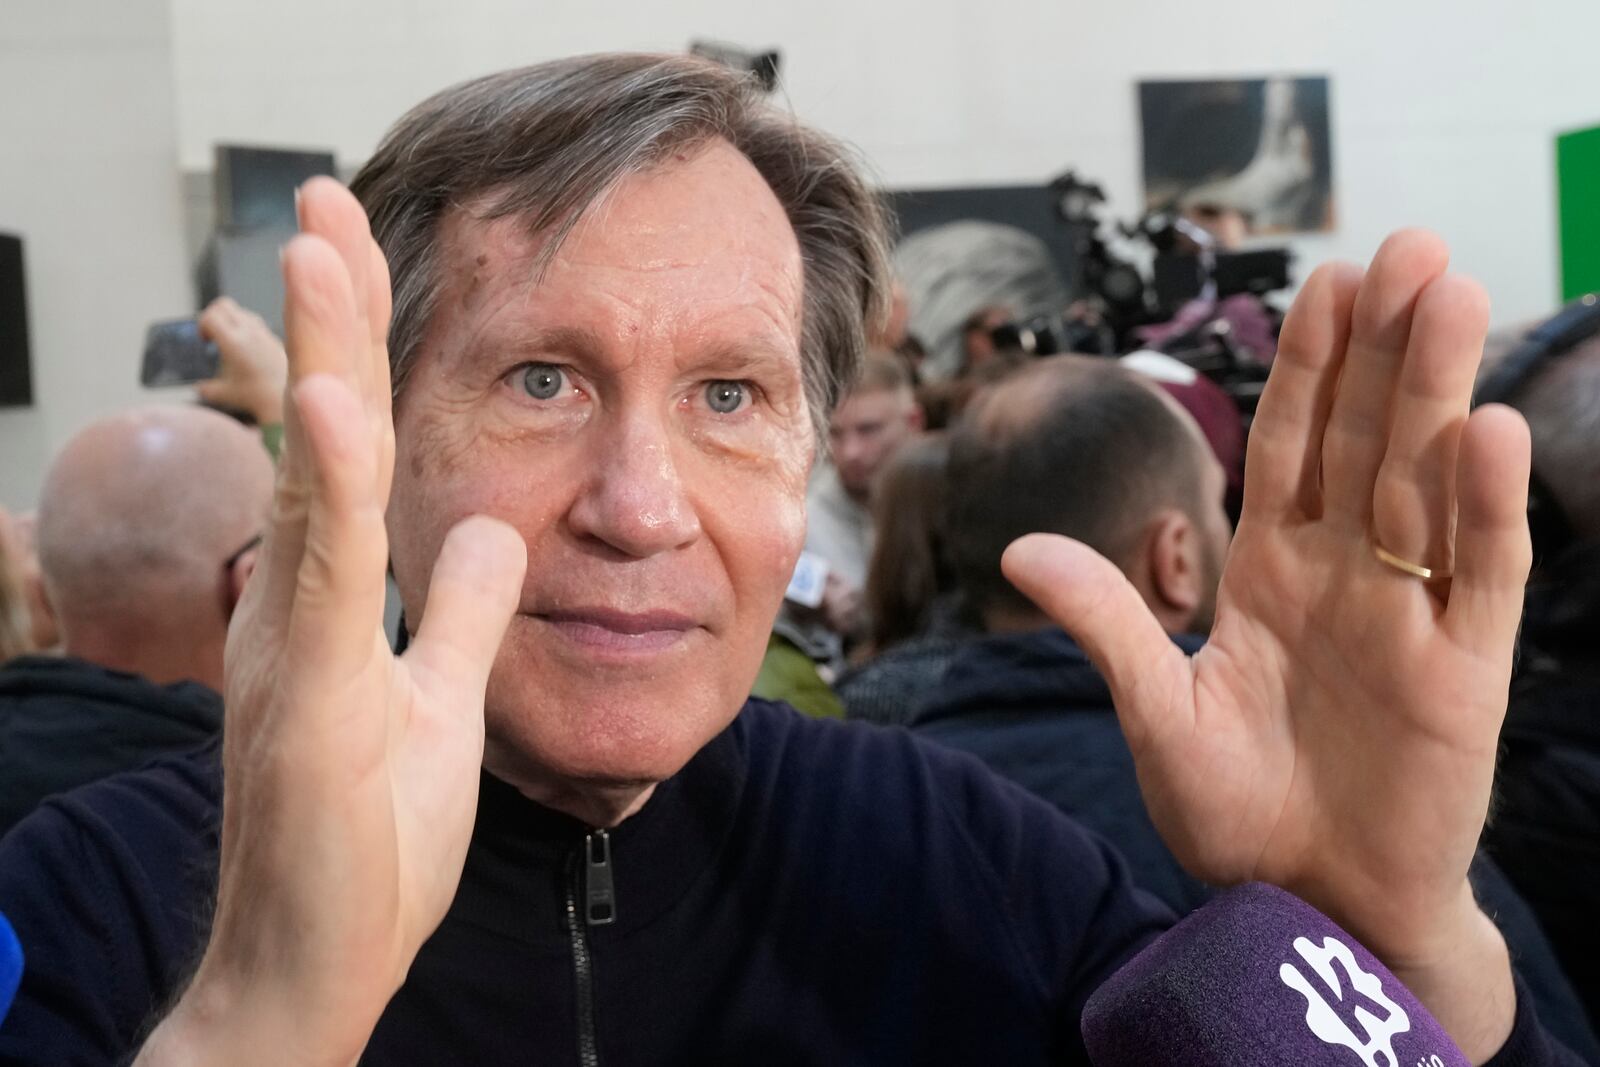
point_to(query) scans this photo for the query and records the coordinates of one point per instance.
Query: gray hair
(954, 270)
(543, 143)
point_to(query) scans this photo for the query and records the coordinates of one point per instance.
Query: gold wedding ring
(1405, 566)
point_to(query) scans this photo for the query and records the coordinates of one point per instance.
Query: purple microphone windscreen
(1257, 977)
(10, 966)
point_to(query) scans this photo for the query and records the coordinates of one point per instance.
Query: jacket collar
(524, 857)
(1041, 671)
(67, 678)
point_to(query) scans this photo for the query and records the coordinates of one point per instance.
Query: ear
(1176, 570)
(239, 574)
(44, 627)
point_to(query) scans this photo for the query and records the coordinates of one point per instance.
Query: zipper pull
(600, 902)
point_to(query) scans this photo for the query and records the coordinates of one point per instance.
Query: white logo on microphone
(1378, 1048)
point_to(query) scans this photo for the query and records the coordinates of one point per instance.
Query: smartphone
(176, 354)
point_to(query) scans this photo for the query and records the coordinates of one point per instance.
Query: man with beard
(1091, 451)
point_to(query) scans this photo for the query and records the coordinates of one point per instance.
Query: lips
(606, 630)
(622, 622)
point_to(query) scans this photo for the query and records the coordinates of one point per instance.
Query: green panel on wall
(1578, 178)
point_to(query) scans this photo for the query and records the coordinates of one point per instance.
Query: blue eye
(543, 381)
(725, 397)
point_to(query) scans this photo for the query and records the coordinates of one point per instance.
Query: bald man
(147, 530)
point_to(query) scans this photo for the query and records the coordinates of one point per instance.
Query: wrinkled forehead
(696, 243)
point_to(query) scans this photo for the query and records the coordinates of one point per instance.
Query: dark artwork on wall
(16, 374)
(1261, 147)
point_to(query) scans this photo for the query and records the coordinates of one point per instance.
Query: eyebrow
(735, 358)
(579, 344)
(571, 342)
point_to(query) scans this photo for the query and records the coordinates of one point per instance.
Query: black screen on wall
(16, 376)
(255, 186)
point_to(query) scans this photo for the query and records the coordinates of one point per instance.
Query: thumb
(1089, 597)
(475, 588)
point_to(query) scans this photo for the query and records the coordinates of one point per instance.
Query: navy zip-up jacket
(803, 892)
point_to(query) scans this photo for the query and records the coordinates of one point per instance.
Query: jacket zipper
(591, 883)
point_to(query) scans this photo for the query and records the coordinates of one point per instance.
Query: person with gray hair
(578, 424)
(146, 532)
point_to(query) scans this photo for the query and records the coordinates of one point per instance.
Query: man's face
(864, 432)
(639, 416)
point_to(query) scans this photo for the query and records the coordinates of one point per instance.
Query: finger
(329, 210)
(339, 585)
(1358, 424)
(211, 319)
(1414, 499)
(284, 540)
(472, 594)
(379, 302)
(312, 291)
(379, 299)
(321, 337)
(1094, 602)
(1493, 547)
(1284, 459)
(219, 323)
(323, 333)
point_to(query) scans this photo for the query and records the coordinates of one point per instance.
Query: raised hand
(351, 776)
(251, 365)
(1337, 734)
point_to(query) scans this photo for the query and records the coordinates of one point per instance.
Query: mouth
(606, 631)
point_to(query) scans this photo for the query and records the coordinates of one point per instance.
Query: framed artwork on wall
(1259, 149)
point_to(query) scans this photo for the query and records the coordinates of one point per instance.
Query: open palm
(1337, 734)
(350, 775)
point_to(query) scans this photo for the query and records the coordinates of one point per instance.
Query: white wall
(1443, 112)
(1443, 116)
(88, 176)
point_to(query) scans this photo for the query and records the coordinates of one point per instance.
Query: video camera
(1117, 296)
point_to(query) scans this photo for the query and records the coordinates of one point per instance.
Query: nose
(635, 500)
(847, 448)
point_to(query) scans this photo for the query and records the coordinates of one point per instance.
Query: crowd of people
(586, 359)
